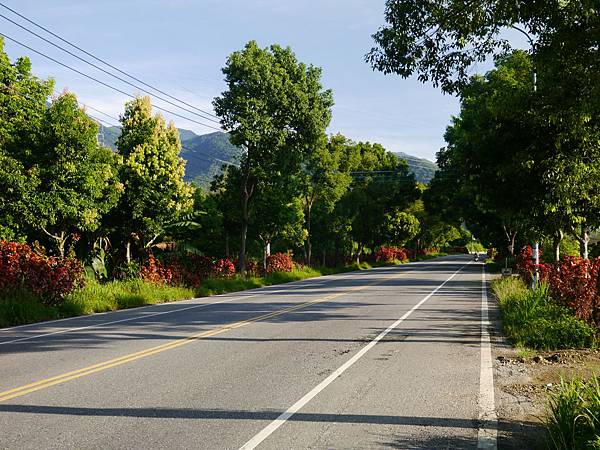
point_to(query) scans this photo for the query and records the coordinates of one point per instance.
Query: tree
(22, 106)
(489, 163)
(276, 111)
(381, 184)
(322, 182)
(79, 177)
(400, 227)
(152, 172)
(277, 213)
(439, 41)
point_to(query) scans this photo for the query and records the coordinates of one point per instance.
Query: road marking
(269, 429)
(273, 289)
(487, 434)
(59, 379)
(129, 319)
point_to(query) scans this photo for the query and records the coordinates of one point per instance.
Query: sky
(180, 46)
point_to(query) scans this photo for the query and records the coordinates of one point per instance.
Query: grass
(530, 318)
(23, 307)
(573, 415)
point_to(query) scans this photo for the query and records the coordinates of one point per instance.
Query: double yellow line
(59, 379)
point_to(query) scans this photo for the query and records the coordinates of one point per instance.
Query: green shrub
(573, 415)
(531, 318)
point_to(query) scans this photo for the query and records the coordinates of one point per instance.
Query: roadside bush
(531, 318)
(390, 254)
(48, 277)
(573, 415)
(187, 270)
(574, 283)
(279, 262)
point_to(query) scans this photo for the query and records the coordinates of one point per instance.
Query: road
(393, 357)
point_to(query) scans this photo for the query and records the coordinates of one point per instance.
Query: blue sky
(181, 45)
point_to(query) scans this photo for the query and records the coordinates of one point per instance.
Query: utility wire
(103, 61)
(102, 82)
(107, 72)
(105, 123)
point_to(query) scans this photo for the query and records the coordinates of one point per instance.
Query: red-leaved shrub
(279, 262)
(389, 254)
(48, 277)
(573, 282)
(187, 270)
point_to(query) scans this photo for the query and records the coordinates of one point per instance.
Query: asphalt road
(388, 358)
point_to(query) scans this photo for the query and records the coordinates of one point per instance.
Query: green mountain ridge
(423, 169)
(205, 154)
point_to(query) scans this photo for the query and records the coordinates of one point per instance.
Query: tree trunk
(558, 237)
(245, 219)
(227, 245)
(62, 240)
(584, 240)
(510, 238)
(324, 257)
(128, 251)
(308, 244)
(266, 251)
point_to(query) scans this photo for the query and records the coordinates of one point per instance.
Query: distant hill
(423, 169)
(206, 153)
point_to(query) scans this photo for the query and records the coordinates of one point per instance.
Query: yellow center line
(72, 375)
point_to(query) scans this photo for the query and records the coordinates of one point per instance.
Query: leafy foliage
(48, 277)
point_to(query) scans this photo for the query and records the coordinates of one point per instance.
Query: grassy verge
(530, 318)
(573, 415)
(23, 307)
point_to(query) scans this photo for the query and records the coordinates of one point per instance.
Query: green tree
(277, 213)
(79, 177)
(400, 227)
(22, 106)
(381, 184)
(322, 182)
(440, 41)
(276, 111)
(152, 172)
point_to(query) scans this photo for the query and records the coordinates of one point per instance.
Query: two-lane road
(394, 357)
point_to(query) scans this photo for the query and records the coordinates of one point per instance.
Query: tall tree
(439, 41)
(22, 106)
(276, 111)
(79, 177)
(322, 182)
(152, 172)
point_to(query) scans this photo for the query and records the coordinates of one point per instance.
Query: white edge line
(236, 296)
(269, 429)
(129, 319)
(487, 434)
(274, 289)
(267, 289)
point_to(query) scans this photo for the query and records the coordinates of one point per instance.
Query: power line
(104, 122)
(102, 82)
(103, 61)
(106, 71)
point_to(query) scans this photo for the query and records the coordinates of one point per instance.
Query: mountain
(206, 153)
(423, 169)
